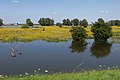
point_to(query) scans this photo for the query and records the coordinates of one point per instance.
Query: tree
(79, 34)
(1, 22)
(84, 23)
(46, 22)
(29, 22)
(114, 22)
(101, 30)
(75, 22)
(67, 22)
(59, 24)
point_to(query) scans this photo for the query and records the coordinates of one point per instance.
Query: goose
(12, 52)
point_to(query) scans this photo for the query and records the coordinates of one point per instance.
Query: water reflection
(78, 47)
(101, 49)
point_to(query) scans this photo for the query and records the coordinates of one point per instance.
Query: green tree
(1, 22)
(67, 22)
(75, 22)
(101, 30)
(79, 34)
(59, 24)
(29, 22)
(46, 22)
(84, 23)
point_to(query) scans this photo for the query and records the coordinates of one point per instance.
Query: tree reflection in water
(101, 49)
(78, 46)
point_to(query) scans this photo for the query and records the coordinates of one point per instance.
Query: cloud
(56, 13)
(15, 1)
(104, 11)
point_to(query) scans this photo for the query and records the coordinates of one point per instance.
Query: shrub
(79, 34)
(101, 30)
(25, 26)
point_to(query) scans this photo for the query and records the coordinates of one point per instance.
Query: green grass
(88, 75)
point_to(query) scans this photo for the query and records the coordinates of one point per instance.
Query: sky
(17, 11)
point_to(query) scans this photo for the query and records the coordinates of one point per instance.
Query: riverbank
(51, 33)
(88, 75)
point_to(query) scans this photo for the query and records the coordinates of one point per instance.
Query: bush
(59, 24)
(101, 30)
(25, 26)
(79, 34)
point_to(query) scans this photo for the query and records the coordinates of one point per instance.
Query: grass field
(44, 33)
(51, 33)
(89, 75)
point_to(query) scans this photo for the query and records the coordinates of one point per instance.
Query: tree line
(51, 22)
(65, 22)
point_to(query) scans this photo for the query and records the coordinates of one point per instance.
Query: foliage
(84, 23)
(101, 30)
(29, 22)
(78, 34)
(114, 22)
(24, 26)
(75, 22)
(1, 22)
(46, 22)
(59, 24)
(67, 22)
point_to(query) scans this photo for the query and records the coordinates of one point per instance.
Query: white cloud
(56, 13)
(15, 1)
(104, 11)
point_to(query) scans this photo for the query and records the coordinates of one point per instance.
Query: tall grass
(90, 75)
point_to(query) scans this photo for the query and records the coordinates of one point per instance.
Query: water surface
(57, 57)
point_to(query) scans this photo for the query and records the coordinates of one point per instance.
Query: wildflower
(6, 76)
(38, 69)
(20, 75)
(31, 75)
(35, 71)
(108, 67)
(26, 73)
(94, 70)
(100, 65)
(1, 75)
(46, 71)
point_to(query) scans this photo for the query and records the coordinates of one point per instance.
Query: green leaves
(1, 22)
(29, 22)
(79, 34)
(101, 30)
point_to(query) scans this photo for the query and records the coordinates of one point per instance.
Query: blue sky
(13, 11)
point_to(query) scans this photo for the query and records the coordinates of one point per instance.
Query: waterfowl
(12, 52)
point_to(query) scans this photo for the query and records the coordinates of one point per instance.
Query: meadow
(51, 33)
(89, 75)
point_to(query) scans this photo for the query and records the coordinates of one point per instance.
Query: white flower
(46, 71)
(38, 69)
(100, 65)
(31, 75)
(26, 73)
(108, 67)
(20, 75)
(35, 71)
(1, 75)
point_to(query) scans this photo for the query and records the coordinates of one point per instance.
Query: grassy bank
(51, 33)
(90, 75)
